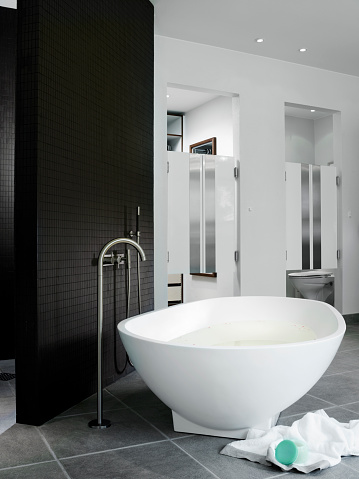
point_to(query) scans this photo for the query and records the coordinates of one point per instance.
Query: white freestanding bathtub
(250, 358)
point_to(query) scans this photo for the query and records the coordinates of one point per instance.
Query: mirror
(205, 147)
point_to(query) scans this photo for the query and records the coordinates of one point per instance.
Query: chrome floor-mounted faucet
(101, 423)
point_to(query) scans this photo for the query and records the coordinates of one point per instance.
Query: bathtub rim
(339, 332)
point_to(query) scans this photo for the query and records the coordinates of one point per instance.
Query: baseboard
(351, 318)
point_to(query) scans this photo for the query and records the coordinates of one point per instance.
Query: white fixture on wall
(316, 284)
(311, 216)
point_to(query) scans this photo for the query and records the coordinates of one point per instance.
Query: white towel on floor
(327, 440)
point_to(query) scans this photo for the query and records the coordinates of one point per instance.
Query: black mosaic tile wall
(8, 20)
(84, 163)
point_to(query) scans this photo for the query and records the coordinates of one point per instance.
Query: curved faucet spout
(121, 240)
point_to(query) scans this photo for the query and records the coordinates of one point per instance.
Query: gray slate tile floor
(7, 396)
(141, 442)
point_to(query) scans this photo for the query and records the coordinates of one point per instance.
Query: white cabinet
(311, 216)
(293, 216)
(209, 199)
(178, 213)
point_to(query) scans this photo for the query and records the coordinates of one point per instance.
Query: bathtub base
(180, 424)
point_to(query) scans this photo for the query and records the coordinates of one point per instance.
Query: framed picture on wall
(205, 147)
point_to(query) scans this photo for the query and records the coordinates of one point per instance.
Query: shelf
(174, 132)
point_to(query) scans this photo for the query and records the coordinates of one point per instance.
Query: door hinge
(337, 180)
(168, 256)
(285, 176)
(236, 172)
(338, 253)
(168, 166)
(236, 256)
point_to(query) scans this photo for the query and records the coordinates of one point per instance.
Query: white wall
(323, 132)
(213, 118)
(309, 141)
(8, 3)
(160, 182)
(299, 140)
(264, 86)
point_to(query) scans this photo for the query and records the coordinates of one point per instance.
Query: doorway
(209, 117)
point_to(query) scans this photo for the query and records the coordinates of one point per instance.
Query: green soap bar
(286, 452)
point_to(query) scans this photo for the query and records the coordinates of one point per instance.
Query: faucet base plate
(94, 424)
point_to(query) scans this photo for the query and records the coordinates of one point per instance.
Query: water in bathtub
(247, 333)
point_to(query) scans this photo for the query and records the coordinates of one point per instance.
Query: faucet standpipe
(101, 423)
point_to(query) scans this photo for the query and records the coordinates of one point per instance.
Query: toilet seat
(313, 284)
(313, 273)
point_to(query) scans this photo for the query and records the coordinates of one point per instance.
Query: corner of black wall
(84, 162)
(8, 21)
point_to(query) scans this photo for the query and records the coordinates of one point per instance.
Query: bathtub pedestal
(180, 424)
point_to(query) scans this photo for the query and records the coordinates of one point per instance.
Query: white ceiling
(180, 100)
(306, 111)
(327, 28)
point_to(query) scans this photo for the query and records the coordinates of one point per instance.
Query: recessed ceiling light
(259, 40)
(168, 96)
(312, 111)
(302, 50)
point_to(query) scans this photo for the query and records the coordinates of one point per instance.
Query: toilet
(313, 284)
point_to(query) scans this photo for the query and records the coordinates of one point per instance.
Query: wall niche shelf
(175, 143)
(174, 131)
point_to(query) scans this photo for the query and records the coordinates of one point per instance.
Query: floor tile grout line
(117, 399)
(342, 372)
(143, 419)
(53, 453)
(350, 410)
(12, 388)
(196, 460)
(312, 410)
(349, 467)
(331, 406)
(62, 416)
(281, 474)
(179, 438)
(104, 451)
(18, 466)
(169, 439)
(347, 350)
(320, 399)
(124, 406)
(350, 403)
(300, 414)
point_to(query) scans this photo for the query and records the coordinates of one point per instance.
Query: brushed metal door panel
(195, 212)
(305, 217)
(209, 216)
